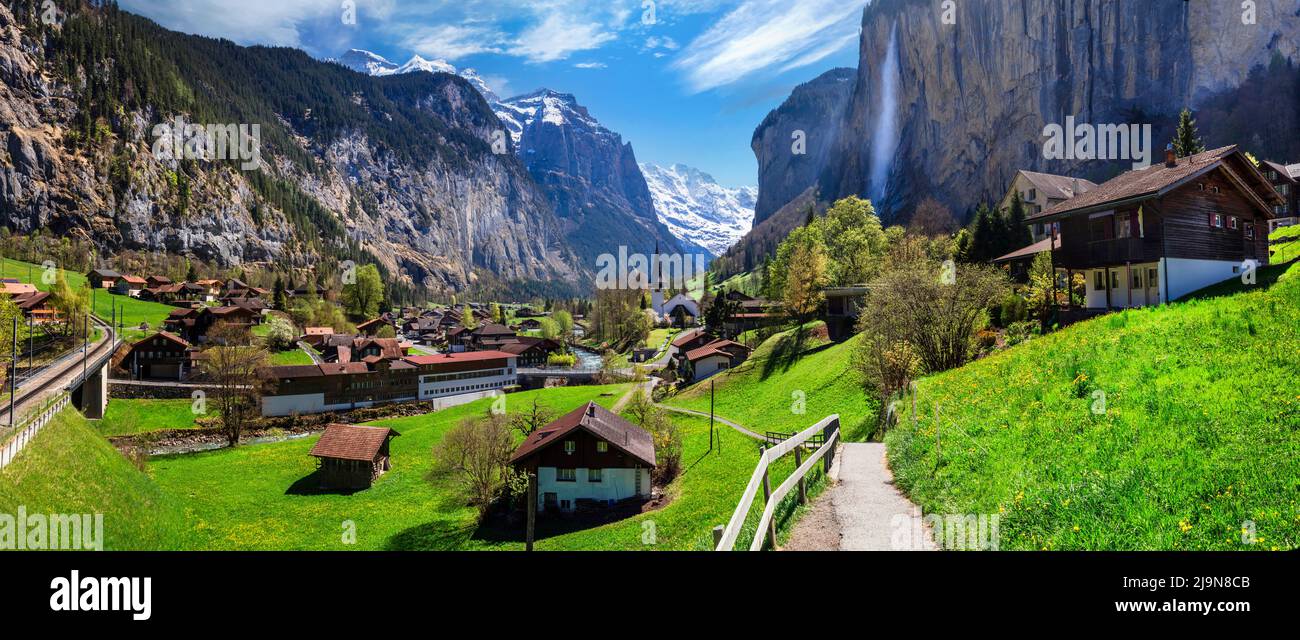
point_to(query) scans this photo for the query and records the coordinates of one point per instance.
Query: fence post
(798, 462)
(532, 509)
(767, 498)
(827, 432)
(717, 536)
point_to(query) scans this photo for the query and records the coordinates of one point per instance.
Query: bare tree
(932, 218)
(230, 364)
(477, 454)
(536, 416)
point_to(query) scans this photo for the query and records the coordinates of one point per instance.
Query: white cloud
(655, 42)
(277, 22)
(451, 42)
(761, 34)
(557, 37)
(590, 65)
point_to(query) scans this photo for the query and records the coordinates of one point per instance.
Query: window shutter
(1135, 227)
(1211, 220)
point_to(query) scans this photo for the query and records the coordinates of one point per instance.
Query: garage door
(168, 371)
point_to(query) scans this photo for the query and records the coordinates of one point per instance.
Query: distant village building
(161, 356)
(1041, 191)
(589, 455)
(712, 358)
(129, 286)
(1286, 180)
(102, 278)
(352, 457)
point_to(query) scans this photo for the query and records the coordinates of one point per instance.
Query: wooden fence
(27, 430)
(824, 436)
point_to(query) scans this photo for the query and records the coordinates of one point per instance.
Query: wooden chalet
(161, 356)
(590, 455)
(352, 457)
(1154, 235)
(102, 278)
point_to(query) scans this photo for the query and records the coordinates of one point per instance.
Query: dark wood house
(1154, 235)
(161, 356)
(352, 457)
(589, 455)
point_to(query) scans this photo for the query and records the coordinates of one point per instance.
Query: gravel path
(863, 507)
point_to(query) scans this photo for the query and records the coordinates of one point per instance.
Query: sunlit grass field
(1175, 427)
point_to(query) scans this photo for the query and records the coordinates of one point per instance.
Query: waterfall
(884, 138)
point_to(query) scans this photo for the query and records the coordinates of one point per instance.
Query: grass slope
(70, 469)
(1199, 434)
(128, 416)
(764, 393)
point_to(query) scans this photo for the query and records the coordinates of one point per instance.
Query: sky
(685, 81)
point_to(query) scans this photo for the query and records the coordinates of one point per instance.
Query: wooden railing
(24, 432)
(828, 430)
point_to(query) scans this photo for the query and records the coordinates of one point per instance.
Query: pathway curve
(862, 510)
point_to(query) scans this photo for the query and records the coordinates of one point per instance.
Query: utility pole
(711, 417)
(13, 379)
(85, 346)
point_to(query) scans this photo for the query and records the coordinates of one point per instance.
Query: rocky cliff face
(437, 218)
(793, 143)
(973, 97)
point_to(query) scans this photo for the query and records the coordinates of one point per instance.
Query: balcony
(1105, 252)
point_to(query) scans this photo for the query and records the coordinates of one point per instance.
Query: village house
(1042, 191)
(161, 356)
(316, 336)
(531, 352)
(473, 374)
(1154, 235)
(372, 327)
(129, 286)
(11, 287)
(157, 281)
(37, 307)
(211, 289)
(1286, 180)
(681, 310)
(712, 358)
(102, 278)
(352, 457)
(589, 455)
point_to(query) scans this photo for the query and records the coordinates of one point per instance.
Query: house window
(1114, 279)
(1153, 275)
(570, 446)
(566, 475)
(602, 446)
(1098, 283)
(1137, 279)
(1123, 228)
(1232, 222)
(594, 475)
(1250, 230)
(1216, 220)
(1033, 195)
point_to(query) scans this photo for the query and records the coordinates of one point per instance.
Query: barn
(352, 457)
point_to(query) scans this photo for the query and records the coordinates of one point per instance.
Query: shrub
(1020, 332)
(562, 360)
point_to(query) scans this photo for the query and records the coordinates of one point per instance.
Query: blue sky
(683, 80)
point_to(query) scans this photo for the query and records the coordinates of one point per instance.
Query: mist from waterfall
(884, 138)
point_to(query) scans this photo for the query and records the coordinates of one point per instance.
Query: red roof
(717, 347)
(598, 421)
(348, 442)
(687, 338)
(468, 356)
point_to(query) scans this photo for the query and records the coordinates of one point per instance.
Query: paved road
(715, 417)
(864, 508)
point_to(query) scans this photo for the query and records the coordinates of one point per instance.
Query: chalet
(1153, 235)
(339, 348)
(315, 336)
(129, 286)
(372, 327)
(102, 278)
(161, 356)
(183, 323)
(1286, 180)
(712, 358)
(10, 287)
(530, 324)
(352, 457)
(531, 352)
(211, 289)
(157, 281)
(589, 455)
(1042, 191)
(689, 340)
(37, 306)
(164, 293)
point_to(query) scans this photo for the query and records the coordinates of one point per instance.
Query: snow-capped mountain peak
(367, 62)
(416, 63)
(695, 208)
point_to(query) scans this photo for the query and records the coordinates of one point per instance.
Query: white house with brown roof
(588, 455)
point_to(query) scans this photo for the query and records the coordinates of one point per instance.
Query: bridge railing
(826, 433)
(25, 431)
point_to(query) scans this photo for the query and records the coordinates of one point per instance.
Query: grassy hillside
(764, 393)
(1284, 244)
(274, 506)
(1164, 428)
(70, 469)
(129, 416)
(133, 311)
